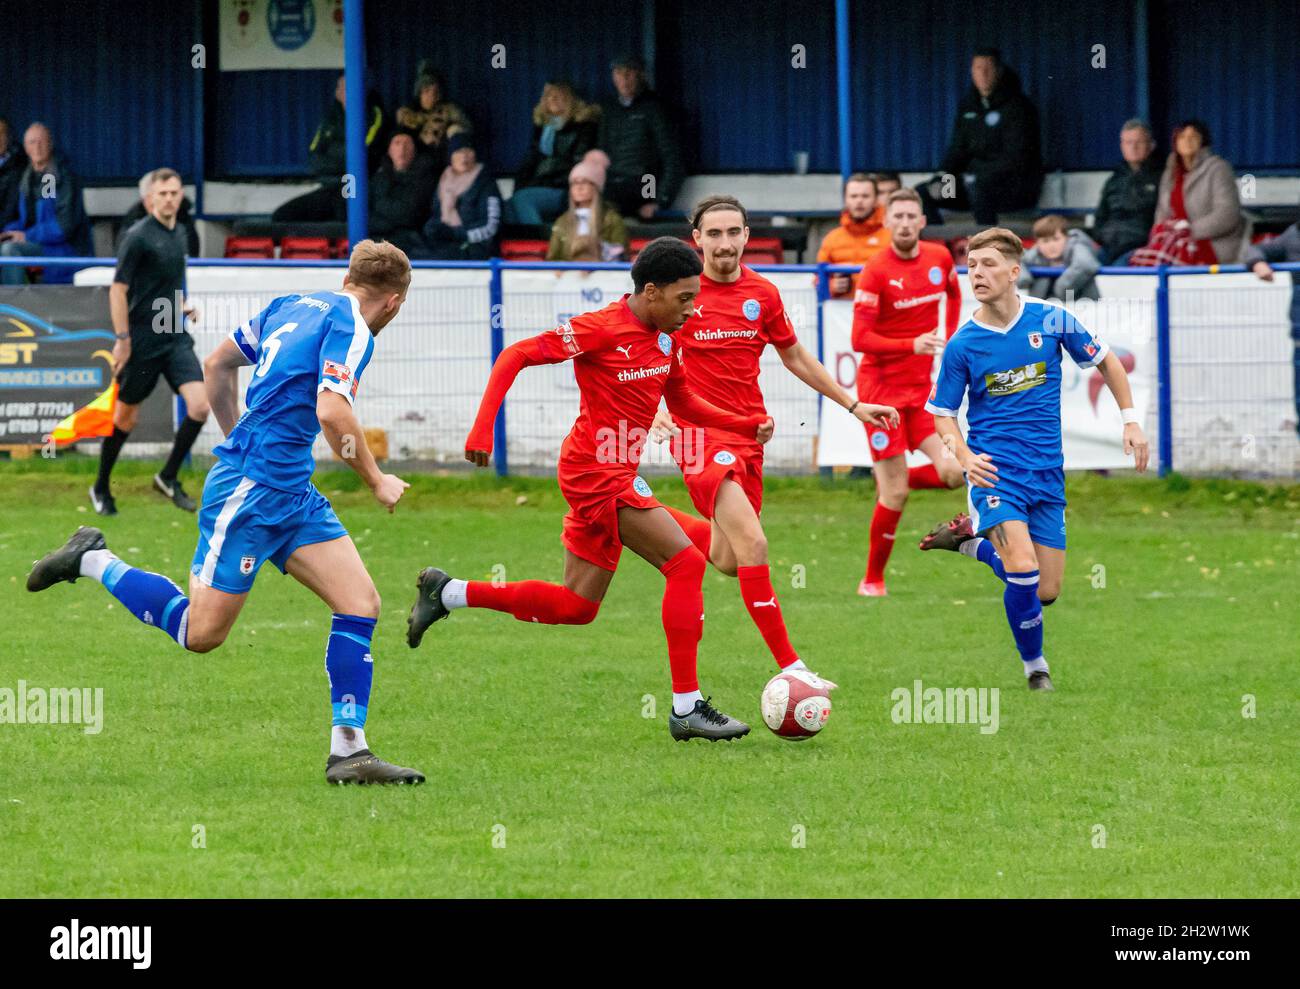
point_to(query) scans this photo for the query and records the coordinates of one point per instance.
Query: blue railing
(496, 268)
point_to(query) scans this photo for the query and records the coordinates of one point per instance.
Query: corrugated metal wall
(1236, 66)
(90, 68)
(87, 69)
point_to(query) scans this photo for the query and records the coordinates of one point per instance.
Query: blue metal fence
(497, 269)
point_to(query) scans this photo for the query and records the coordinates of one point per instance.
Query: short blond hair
(1002, 240)
(380, 266)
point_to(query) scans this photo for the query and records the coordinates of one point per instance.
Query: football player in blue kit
(259, 504)
(1006, 360)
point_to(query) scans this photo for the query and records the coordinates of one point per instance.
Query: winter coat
(327, 155)
(1284, 247)
(400, 200)
(572, 141)
(997, 139)
(11, 172)
(566, 245)
(429, 127)
(640, 141)
(1127, 207)
(1080, 263)
(479, 208)
(59, 224)
(1212, 203)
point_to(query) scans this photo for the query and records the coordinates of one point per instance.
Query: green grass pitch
(1143, 775)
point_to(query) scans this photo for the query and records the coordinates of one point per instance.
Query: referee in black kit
(148, 309)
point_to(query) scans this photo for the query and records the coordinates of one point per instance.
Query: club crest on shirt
(993, 501)
(724, 457)
(665, 343)
(246, 564)
(751, 309)
(879, 441)
(1035, 340)
(936, 275)
(641, 487)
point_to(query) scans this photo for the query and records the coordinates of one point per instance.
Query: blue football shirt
(1012, 377)
(302, 345)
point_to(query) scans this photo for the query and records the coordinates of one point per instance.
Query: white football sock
(1034, 665)
(684, 704)
(95, 561)
(346, 741)
(453, 594)
(971, 547)
(796, 665)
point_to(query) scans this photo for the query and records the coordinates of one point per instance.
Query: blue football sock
(151, 597)
(982, 549)
(349, 666)
(987, 555)
(1025, 615)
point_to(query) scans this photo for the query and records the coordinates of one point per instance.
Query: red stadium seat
(341, 248)
(1260, 238)
(524, 250)
(250, 247)
(305, 248)
(771, 248)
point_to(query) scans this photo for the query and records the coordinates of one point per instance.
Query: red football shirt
(622, 366)
(896, 301)
(722, 342)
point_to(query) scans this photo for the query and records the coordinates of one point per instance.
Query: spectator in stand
(1128, 199)
(12, 163)
(1256, 257)
(591, 229)
(184, 218)
(46, 225)
(564, 129)
(645, 168)
(400, 191)
(887, 183)
(466, 208)
(1057, 246)
(430, 116)
(861, 234)
(1198, 212)
(994, 158)
(327, 157)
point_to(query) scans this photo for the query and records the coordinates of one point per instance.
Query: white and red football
(796, 704)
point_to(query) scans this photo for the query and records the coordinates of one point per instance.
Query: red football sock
(532, 601)
(926, 476)
(683, 615)
(759, 597)
(697, 530)
(883, 523)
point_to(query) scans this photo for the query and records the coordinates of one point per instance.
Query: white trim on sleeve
(935, 410)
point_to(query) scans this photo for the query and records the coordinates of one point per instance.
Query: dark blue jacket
(60, 224)
(480, 215)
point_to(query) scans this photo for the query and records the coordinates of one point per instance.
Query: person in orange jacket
(861, 234)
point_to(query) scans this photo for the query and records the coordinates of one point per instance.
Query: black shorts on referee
(179, 365)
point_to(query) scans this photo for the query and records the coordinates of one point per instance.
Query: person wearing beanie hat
(430, 116)
(564, 129)
(591, 229)
(466, 207)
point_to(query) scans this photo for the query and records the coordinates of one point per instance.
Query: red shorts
(914, 425)
(594, 493)
(703, 471)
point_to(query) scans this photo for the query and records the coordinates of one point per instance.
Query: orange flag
(90, 421)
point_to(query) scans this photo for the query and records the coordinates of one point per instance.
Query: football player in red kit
(896, 329)
(624, 363)
(737, 314)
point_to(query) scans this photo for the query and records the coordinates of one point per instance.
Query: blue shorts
(1036, 497)
(242, 524)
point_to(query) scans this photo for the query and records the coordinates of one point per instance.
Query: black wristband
(122, 336)
(854, 405)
